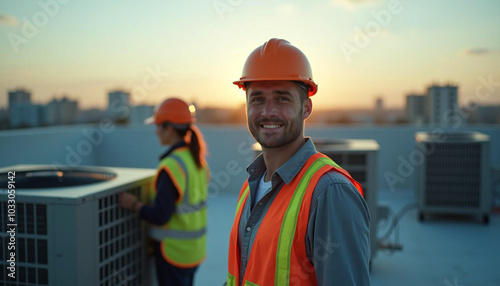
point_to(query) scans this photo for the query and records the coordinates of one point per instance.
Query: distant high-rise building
(118, 105)
(21, 112)
(415, 108)
(19, 96)
(379, 114)
(488, 114)
(379, 104)
(140, 112)
(61, 112)
(22, 115)
(442, 104)
(4, 119)
(4, 115)
(93, 115)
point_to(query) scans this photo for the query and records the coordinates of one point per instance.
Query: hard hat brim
(149, 121)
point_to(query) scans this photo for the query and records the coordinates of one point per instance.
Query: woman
(178, 213)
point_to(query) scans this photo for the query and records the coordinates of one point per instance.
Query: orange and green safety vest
(278, 255)
(183, 237)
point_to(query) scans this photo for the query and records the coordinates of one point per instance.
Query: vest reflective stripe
(183, 237)
(176, 173)
(339, 169)
(243, 197)
(184, 208)
(289, 225)
(276, 256)
(231, 281)
(234, 260)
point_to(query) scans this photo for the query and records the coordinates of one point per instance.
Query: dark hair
(303, 89)
(196, 143)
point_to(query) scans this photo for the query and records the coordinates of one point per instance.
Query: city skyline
(359, 50)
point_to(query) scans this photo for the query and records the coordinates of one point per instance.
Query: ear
(170, 128)
(306, 108)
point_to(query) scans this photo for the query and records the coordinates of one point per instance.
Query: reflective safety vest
(183, 237)
(278, 255)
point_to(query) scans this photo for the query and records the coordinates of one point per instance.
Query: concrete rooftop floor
(444, 251)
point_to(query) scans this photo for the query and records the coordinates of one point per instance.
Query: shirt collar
(171, 149)
(290, 169)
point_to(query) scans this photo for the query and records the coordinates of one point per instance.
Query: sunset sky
(358, 49)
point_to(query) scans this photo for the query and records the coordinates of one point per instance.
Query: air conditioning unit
(69, 229)
(359, 157)
(453, 177)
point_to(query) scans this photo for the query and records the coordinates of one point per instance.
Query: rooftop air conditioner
(453, 177)
(69, 229)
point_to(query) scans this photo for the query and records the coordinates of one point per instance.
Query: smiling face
(276, 112)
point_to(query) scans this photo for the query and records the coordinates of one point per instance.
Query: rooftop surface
(443, 251)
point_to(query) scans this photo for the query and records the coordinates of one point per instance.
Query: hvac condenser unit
(453, 176)
(359, 158)
(69, 228)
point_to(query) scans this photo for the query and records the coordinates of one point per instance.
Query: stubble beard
(284, 139)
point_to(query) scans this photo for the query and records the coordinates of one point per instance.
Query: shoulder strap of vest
(243, 196)
(234, 253)
(175, 167)
(339, 169)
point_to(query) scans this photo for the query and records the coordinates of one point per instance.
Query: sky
(358, 49)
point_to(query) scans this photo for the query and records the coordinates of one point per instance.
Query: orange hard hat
(173, 110)
(277, 59)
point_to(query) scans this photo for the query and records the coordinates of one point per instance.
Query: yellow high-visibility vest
(183, 237)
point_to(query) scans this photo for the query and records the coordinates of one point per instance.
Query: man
(300, 218)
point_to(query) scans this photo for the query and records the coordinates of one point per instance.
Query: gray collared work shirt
(337, 238)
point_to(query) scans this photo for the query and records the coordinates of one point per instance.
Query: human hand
(127, 201)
